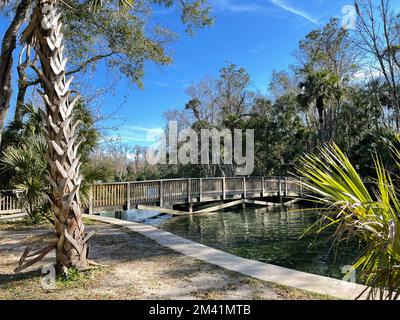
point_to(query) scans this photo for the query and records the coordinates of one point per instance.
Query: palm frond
(370, 215)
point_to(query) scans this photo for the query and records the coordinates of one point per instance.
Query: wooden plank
(289, 203)
(162, 210)
(209, 205)
(7, 212)
(221, 206)
(262, 203)
(12, 216)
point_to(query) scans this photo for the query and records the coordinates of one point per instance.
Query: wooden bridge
(190, 194)
(166, 194)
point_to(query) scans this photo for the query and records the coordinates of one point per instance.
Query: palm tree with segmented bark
(44, 35)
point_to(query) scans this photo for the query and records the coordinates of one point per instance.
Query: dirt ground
(137, 268)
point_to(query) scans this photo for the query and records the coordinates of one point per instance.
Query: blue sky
(259, 35)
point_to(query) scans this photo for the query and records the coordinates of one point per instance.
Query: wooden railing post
(244, 187)
(91, 204)
(286, 186)
(128, 196)
(189, 190)
(161, 193)
(301, 188)
(262, 187)
(223, 188)
(279, 186)
(201, 190)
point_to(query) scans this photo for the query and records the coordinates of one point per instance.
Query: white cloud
(229, 5)
(367, 74)
(162, 84)
(137, 134)
(298, 12)
(138, 128)
(171, 84)
(236, 7)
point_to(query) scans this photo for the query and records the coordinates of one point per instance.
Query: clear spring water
(271, 236)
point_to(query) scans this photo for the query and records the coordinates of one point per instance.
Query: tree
(280, 136)
(43, 33)
(234, 96)
(8, 46)
(124, 40)
(377, 35)
(219, 103)
(326, 62)
(318, 88)
(123, 44)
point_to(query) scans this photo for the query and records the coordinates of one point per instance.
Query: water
(267, 236)
(143, 216)
(271, 236)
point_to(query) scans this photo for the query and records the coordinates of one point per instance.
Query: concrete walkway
(259, 270)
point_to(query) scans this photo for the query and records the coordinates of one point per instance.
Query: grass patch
(286, 292)
(209, 294)
(75, 279)
(23, 224)
(29, 285)
(90, 222)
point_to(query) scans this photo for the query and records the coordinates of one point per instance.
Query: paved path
(259, 270)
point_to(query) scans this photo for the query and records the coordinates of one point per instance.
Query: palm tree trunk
(43, 33)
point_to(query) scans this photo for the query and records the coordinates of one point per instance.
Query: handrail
(118, 195)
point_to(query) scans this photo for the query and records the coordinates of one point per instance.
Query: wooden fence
(9, 203)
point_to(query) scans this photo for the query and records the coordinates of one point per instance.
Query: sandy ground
(137, 268)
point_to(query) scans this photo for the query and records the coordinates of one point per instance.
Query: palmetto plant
(28, 166)
(367, 211)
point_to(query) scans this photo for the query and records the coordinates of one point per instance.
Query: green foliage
(28, 168)
(24, 166)
(280, 137)
(369, 213)
(375, 142)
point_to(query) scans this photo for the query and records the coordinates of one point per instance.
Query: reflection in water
(145, 216)
(267, 236)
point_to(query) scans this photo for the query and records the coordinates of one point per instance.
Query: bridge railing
(173, 191)
(9, 203)
(111, 196)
